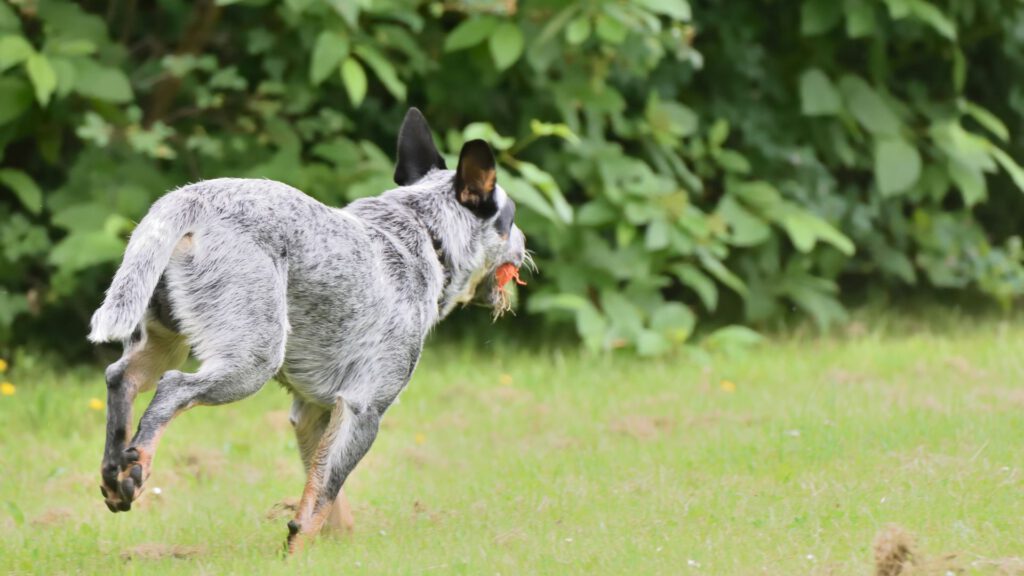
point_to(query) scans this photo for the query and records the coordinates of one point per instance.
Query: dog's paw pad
(127, 489)
(136, 474)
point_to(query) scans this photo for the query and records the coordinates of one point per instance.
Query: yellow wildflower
(420, 438)
(505, 379)
(95, 404)
(3, 365)
(727, 386)
(7, 389)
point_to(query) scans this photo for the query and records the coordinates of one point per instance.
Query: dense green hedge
(673, 160)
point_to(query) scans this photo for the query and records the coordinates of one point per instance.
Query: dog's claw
(110, 506)
(124, 505)
(103, 491)
(131, 455)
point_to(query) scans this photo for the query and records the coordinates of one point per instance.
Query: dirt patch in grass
(1003, 566)
(157, 551)
(718, 418)
(999, 399)
(278, 420)
(641, 427)
(502, 396)
(964, 367)
(509, 536)
(200, 463)
(53, 517)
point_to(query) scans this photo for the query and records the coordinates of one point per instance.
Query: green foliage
(677, 163)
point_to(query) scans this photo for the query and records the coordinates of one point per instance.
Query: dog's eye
(503, 221)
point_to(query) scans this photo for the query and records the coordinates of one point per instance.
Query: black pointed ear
(417, 154)
(476, 177)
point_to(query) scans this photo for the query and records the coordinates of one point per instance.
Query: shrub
(673, 160)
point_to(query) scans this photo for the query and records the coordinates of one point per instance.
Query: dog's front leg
(348, 436)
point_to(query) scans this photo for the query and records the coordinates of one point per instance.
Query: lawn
(789, 459)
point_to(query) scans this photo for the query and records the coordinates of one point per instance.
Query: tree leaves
(383, 69)
(819, 16)
(818, 96)
(505, 39)
(15, 97)
(805, 230)
(43, 77)
(24, 188)
(94, 80)
(470, 33)
(329, 50)
(674, 9)
(860, 18)
(925, 12)
(506, 45)
(13, 51)
(578, 30)
(897, 166)
(354, 77)
(868, 107)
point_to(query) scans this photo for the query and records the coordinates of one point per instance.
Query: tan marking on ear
(490, 177)
(479, 189)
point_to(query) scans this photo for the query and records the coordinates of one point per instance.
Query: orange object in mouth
(506, 272)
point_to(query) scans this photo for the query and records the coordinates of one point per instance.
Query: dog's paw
(122, 484)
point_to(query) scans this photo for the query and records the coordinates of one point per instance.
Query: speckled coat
(257, 280)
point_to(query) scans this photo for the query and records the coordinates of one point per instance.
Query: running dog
(258, 280)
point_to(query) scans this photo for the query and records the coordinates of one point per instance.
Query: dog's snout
(517, 246)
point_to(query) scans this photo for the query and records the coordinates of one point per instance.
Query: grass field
(787, 460)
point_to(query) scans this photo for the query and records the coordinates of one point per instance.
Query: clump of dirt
(282, 509)
(895, 551)
(897, 554)
(157, 551)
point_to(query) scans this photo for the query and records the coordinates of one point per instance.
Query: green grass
(556, 463)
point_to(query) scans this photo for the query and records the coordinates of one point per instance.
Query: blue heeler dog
(258, 281)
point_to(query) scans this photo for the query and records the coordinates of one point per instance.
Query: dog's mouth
(500, 300)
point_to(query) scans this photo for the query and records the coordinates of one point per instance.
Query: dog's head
(469, 214)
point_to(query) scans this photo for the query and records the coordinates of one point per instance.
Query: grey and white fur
(257, 281)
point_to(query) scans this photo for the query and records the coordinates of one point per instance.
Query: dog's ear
(476, 177)
(417, 153)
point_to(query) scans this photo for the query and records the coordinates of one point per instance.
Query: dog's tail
(148, 253)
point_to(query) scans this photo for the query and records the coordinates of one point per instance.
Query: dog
(259, 281)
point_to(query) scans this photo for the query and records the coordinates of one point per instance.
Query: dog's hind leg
(310, 421)
(230, 302)
(149, 354)
(350, 432)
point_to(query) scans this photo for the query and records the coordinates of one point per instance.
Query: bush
(673, 160)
